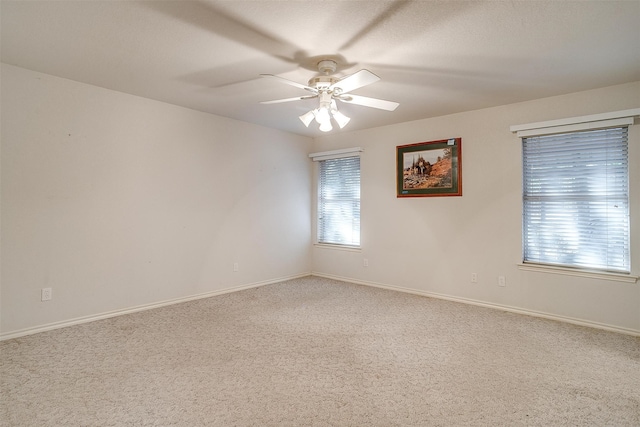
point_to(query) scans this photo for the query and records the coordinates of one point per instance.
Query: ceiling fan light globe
(307, 117)
(326, 126)
(340, 118)
(322, 116)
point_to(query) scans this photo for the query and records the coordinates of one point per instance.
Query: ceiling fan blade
(297, 98)
(369, 102)
(290, 82)
(355, 81)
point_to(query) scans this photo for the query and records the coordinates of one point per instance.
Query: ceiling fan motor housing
(327, 66)
(322, 82)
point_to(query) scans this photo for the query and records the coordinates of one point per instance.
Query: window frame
(573, 124)
(317, 158)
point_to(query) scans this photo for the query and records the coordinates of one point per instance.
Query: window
(339, 197)
(576, 199)
(339, 201)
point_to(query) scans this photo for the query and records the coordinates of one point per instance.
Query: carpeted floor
(317, 352)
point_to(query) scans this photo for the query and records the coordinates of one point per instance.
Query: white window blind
(339, 201)
(576, 199)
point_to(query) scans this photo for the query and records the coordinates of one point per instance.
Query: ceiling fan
(328, 89)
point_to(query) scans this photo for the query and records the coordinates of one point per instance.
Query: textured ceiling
(434, 57)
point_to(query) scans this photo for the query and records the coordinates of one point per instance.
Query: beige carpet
(317, 352)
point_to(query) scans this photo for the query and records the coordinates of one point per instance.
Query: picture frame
(429, 169)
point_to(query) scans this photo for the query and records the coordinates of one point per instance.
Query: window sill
(338, 247)
(616, 277)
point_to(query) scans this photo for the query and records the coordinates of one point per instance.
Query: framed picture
(429, 169)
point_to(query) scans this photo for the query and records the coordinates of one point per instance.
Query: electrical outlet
(46, 294)
(502, 281)
(474, 277)
(235, 266)
(365, 262)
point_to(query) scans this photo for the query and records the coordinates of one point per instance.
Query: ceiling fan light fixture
(308, 117)
(322, 115)
(340, 118)
(326, 126)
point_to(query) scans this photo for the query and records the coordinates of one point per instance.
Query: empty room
(319, 213)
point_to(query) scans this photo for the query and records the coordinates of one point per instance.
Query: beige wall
(432, 245)
(116, 201)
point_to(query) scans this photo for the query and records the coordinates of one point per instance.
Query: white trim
(336, 154)
(603, 275)
(114, 313)
(337, 247)
(572, 124)
(517, 310)
(601, 124)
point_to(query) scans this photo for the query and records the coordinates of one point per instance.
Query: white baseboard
(106, 315)
(510, 309)
(114, 313)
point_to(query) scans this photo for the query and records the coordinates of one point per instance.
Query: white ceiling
(434, 57)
